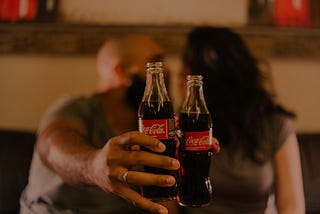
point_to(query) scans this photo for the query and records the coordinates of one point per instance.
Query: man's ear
(117, 70)
(122, 75)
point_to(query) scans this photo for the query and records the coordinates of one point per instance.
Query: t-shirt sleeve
(286, 128)
(74, 108)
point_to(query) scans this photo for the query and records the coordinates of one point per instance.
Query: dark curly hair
(234, 86)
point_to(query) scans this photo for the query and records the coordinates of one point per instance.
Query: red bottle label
(198, 141)
(155, 128)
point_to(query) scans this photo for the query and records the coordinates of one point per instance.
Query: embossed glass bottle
(196, 151)
(156, 118)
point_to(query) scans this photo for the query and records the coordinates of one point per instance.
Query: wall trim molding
(82, 39)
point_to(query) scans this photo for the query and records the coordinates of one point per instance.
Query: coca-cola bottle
(156, 119)
(195, 151)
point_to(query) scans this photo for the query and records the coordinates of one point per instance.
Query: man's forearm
(65, 151)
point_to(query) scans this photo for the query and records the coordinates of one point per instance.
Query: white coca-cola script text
(155, 129)
(191, 141)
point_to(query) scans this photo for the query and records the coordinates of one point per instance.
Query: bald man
(84, 158)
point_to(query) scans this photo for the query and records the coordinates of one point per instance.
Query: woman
(258, 168)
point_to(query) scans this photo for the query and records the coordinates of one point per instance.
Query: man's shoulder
(68, 99)
(72, 101)
(77, 108)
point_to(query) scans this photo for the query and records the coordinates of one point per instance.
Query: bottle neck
(195, 102)
(155, 90)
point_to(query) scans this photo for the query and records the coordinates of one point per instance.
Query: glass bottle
(196, 150)
(156, 119)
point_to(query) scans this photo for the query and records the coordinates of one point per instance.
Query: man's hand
(110, 167)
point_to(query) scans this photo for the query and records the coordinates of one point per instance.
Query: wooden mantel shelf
(81, 39)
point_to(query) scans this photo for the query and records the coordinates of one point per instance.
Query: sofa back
(16, 149)
(309, 144)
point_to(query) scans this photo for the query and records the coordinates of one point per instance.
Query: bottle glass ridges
(196, 149)
(156, 118)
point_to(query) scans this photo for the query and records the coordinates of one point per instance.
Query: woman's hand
(215, 142)
(110, 168)
(215, 145)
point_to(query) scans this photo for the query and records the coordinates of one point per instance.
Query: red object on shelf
(292, 13)
(32, 10)
(16, 10)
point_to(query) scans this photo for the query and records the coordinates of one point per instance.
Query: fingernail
(175, 163)
(170, 180)
(162, 211)
(161, 146)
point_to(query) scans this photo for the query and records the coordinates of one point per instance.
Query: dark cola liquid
(154, 111)
(195, 188)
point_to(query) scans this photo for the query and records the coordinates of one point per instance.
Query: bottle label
(198, 141)
(161, 129)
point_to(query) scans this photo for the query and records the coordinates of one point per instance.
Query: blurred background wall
(29, 83)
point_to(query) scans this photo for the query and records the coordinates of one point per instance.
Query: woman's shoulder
(281, 125)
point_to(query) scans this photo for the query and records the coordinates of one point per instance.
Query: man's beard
(135, 91)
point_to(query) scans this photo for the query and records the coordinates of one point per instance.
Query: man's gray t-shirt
(46, 192)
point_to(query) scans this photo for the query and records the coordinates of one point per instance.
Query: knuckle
(111, 174)
(113, 161)
(130, 136)
(137, 203)
(127, 137)
(136, 157)
(117, 190)
(111, 142)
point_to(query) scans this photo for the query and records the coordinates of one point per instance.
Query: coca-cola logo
(197, 141)
(192, 141)
(155, 129)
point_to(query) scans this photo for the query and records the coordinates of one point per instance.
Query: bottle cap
(154, 64)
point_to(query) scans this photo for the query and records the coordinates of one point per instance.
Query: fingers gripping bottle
(156, 118)
(196, 149)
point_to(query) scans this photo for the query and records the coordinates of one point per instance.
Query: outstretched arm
(62, 147)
